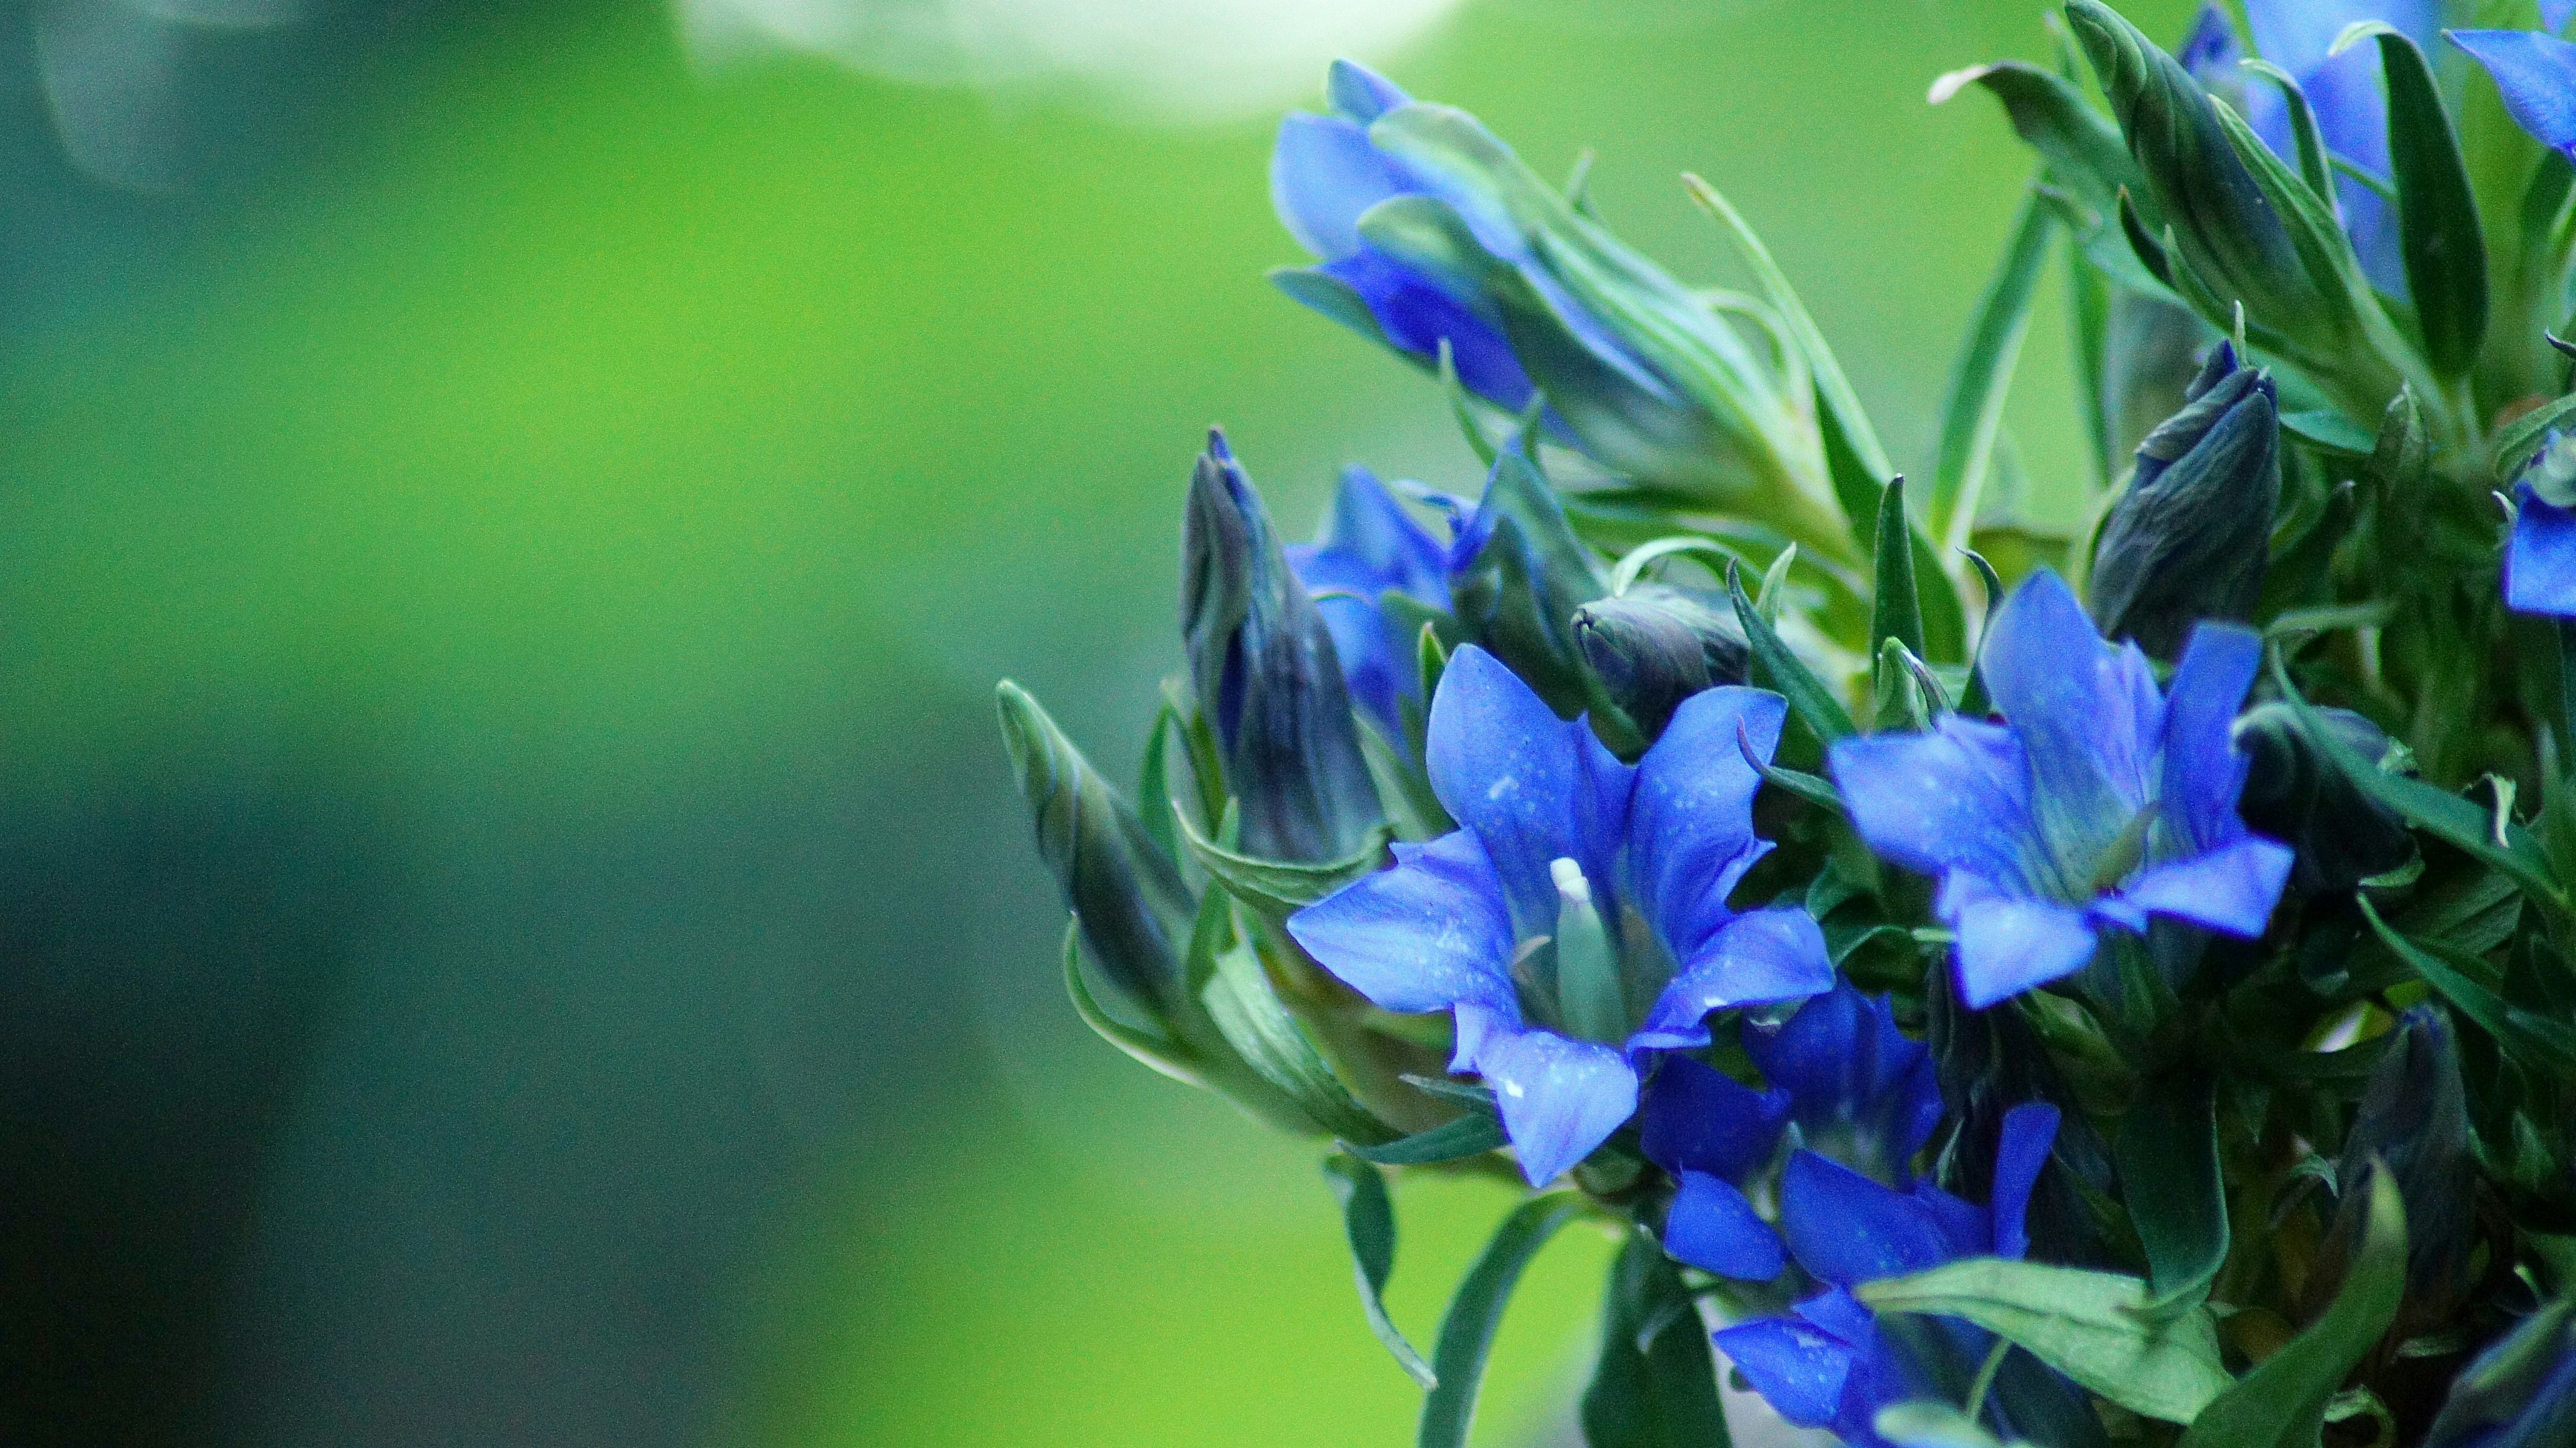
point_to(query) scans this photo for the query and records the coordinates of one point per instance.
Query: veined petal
(2536, 73)
(2008, 945)
(2203, 770)
(2029, 1131)
(2540, 563)
(2230, 890)
(1424, 936)
(1559, 1098)
(1846, 1229)
(1759, 957)
(1713, 1228)
(1954, 798)
(1323, 174)
(1797, 1367)
(1690, 832)
(2087, 715)
(1698, 1118)
(1533, 788)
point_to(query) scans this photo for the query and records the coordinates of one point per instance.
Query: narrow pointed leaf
(2168, 1158)
(2437, 213)
(1476, 1314)
(1775, 667)
(1896, 610)
(1168, 1057)
(1973, 411)
(1369, 1219)
(2546, 1046)
(1655, 1384)
(1470, 1135)
(1277, 887)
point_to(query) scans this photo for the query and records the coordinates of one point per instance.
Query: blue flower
(1325, 173)
(2520, 1392)
(1577, 921)
(1370, 547)
(1829, 1363)
(2098, 802)
(2540, 559)
(2536, 74)
(2343, 90)
(1860, 1092)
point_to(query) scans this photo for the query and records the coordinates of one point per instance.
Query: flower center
(1589, 997)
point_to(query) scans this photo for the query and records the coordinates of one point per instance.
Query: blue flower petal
(1759, 957)
(1376, 675)
(1368, 524)
(1559, 1098)
(1965, 1229)
(1423, 936)
(1691, 831)
(2296, 34)
(2537, 74)
(1323, 174)
(2230, 890)
(1955, 798)
(1841, 1315)
(2540, 563)
(1797, 1368)
(1698, 1118)
(2029, 1131)
(1846, 1229)
(1713, 1228)
(2204, 771)
(2088, 717)
(2007, 945)
(1360, 93)
(1416, 315)
(1533, 788)
(2554, 13)
(1854, 1080)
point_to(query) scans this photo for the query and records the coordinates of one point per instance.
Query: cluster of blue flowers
(2028, 1021)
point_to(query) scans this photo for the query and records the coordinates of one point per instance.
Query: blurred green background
(517, 927)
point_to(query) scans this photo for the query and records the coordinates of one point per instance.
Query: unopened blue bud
(2189, 539)
(1269, 681)
(2295, 794)
(2520, 1392)
(1656, 645)
(2414, 1117)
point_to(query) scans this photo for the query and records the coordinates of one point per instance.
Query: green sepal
(1167, 1056)
(1896, 609)
(1471, 1135)
(1655, 1382)
(1246, 1009)
(1775, 667)
(2315, 164)
(1476, 1314)
(1277, 889)
(2437, 213)
(2283, 1402)
(1368, 1218)
(1974, 701)
(2168, 1157)
(2095, 1327)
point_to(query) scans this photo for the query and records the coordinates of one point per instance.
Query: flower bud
(1269, 681)
(2294, 794)
(2189, 539)
(2414, 1118)
(2520, 1392)
(1656, 645)
(1521, 575)
(1127, 897)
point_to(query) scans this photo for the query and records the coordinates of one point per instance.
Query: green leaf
(1973, 700)
(2517, 441)
(2083, 149)
(2437, 214)
(1258, 1025)
(1777, 668)
(1855, 486)
(1896, 610)
(2282, 1402)
(1973, 411)
(1277, 888)
(1476, 1313)
(2095, 1327)
(1167, 1056)
(2546, 1046)
(1470, 1135)
(1463, 408)
(1369, 1218)
(2329, 430)
(1932, 1424)
(2168, 1159)
(2315, 164)
(1655, 1384)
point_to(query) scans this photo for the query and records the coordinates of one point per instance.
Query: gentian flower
(1829, 1363)
(1576, 922)
(2343, 91)
(1860, 1092)
(2414, 1118)
(1370, 547)
(2536, 74)
(2540, 559)
(2097, 802)
(2520, 1392)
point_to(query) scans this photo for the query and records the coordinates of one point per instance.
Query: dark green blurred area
(517, 928)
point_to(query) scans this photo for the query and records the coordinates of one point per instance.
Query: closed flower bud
(1269, 682)
(2520, 1392)
(1133, 910)
(2414, 1118)
(2295, 794)
(1521, 574)
(2189, 538)
(1656, 645)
